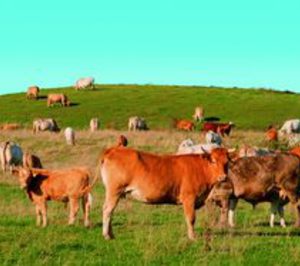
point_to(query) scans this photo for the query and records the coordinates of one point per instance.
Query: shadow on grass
(211, 119)
(257, 233)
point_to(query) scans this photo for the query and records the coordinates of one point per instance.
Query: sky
(193, 42)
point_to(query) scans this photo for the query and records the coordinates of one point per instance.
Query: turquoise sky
(229, 43)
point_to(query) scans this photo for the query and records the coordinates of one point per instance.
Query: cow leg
(274, 209)
(86, 206)
(281, 214)
(43, 209)
(38, 215)
(111, 201)
(224, 212)
(190, 216)
(74, 207)
(232, 206)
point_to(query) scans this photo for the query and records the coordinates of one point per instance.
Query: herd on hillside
(196, 174)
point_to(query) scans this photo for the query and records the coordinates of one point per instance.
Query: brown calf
(58, 98)
(67, 185)
(183, 124)
(33, 92)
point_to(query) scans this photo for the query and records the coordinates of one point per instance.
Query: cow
(137, 123)
(199, 113)
(183, 124)
(66, 185)
(122, 141)
(46, 124)
(58, 98)
(155, 179)
(33, 92)
(11, 155)
(187, 146)
(83, 83)
(272, 134)
(220, 128)
(94, 124)
(212, 137)
(273, 178)
(290, 126)
(10, 126)
(70, 136)
(248, 151)
(31, 161)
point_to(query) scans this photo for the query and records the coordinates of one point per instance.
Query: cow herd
(196, 174)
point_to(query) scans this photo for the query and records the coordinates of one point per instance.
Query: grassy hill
(113, 104)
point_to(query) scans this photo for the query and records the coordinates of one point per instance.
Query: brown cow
(220, 128)
(33, 92)
(57, 98)
(66, 185)
(183, 124)
(271, 134)
(273, 179)
(10, 126)
(154, 179)
(31, 161)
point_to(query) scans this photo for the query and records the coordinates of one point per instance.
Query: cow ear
(16, 171)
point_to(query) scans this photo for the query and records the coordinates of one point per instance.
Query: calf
(154, 179)
(67, 185)
(188, 147)
(94, 124)
(70, 136)
(199, 113)
(33, 92)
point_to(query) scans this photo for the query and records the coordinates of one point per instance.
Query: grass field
(113, 104)
(145, 235)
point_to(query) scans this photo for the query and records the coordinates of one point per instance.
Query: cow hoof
(108, 237)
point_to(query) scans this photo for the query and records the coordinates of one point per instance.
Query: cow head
(219, 160)
(25, 176)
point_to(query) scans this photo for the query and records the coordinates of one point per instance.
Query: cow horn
(205, 151)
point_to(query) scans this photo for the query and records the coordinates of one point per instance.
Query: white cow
(290, 126)
(137, 123)
(199, 113)
(247, 151)
(11, 155)
(83, 83)
(70, 136)
(44, 125)
(187, 147)
(212, 137)
(94, 124)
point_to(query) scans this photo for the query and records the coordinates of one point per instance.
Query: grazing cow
(199, 113)
(58, 98)
(220, 128)
(11, 155)
(122, 141)
(33, 92)
(187, 146)
(31, 161)
(67, 185)
(137, 123)
(10, 126)
(85, 83)
(154, 179)
(94, 124)
(273, 179)
(183, 124)
(272, 134)
(290, 126)
(70, 136)
(46, 124)
(212, 137)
